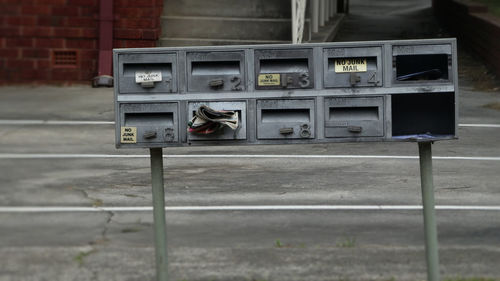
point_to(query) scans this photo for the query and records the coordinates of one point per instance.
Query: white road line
(76, 122)
(16, 209)
(70, 156)
(54, 122)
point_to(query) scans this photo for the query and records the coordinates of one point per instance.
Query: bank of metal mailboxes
(274, 94)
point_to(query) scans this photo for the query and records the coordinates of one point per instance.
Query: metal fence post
(314, 15)
(321, 12)
(160, 229)
(431, 241)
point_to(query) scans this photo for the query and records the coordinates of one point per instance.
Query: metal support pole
(315, 15)
(333, 6)
(327, 10)
(431, 241)
(160, 228)
(321, 12)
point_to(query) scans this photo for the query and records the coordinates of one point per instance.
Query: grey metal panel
(369, 78)
(160, 119)
(129, 64)
(314, 55)
(204, 68)
(294, 66)
(227, 133)
(354, 117)
(419, 58)
(286, 119)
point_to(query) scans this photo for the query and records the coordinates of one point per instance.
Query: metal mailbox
(422, 64)
(153, 124)
(285, 119)
(147, 73)
(216, 71)
(226, 133)
(400, 90)
(284, 69)
(354, 117)
(353, 67)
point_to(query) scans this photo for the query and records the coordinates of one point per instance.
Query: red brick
(20, 20)
(43, 64)
(20, 63)
(69, 11)
(51, 2)
(89, 33)
(81, 43)
(83, 2)
(36, 53)
(49, 43)
(135, 23)
(9, 53)
(29, 31)
(67, 32)
(127, 33)
(140, 44)
(89, 12)
(65, 74)
(10, 10)
(81, 22)
(88, 55)
(150, 34)
(10, 31)
(50, 21)
(35, 10)
(119, 44)
(19, 42)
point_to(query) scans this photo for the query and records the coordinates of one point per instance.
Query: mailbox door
(284, 69)
(216, 71)
(422, 64)
(285, 119)
(154, 123)
(354, 117)
(226, 133)
(147, 73)
(353, 67)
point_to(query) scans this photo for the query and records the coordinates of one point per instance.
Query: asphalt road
(37, 170)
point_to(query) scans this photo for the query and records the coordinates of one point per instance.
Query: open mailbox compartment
(216, 71)
(225, 133)
(352, 67)
(431, 114)
(278, 69)
(422, 64)
(347, 117)
(148, 73)
(286, 119)
(149, 123)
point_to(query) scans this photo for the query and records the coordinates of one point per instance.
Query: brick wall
(56, 41)
(473, 26)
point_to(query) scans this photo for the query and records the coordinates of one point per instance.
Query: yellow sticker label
(269, 80)
(350, 65)
(128, 135)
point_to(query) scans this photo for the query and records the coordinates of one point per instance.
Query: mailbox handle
(149, 135)
(216, 83)
(355, 129)
(286, 131)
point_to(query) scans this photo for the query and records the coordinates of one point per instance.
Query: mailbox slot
(422, 63)
(216, 71)
(429, 113)
(353, 67)
(285, 119)
(154, 122)
(284, 69)
(354, 117)
(226, 133)
(155, 65)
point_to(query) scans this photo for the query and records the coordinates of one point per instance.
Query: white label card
(148, 76)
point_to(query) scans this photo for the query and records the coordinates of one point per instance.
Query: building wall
(56, 41)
